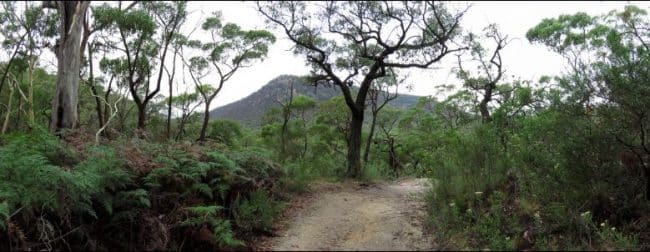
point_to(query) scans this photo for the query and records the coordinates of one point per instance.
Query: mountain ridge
(250, 109)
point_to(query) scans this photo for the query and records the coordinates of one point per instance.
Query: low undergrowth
(556, 187)
(133, 195)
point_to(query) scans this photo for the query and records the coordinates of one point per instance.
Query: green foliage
(257, 212)
(33, 184)
(490, 185)
(209, 177)
(545, 173)
(29, 178)
(5, 214)
(208, 215)
(225, 131)
(103, 191)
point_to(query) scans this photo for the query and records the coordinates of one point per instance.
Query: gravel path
(359, 216)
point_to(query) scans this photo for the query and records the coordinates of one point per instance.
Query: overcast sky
(514, 18)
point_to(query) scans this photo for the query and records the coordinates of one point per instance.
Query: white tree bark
(64, 103)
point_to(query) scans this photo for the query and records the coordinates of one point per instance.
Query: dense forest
(116, 148)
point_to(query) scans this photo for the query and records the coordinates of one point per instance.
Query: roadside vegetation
(116, 150)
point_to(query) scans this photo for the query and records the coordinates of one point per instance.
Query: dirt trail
(359, 216)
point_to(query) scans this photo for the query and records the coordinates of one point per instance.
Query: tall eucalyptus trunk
(64, 103)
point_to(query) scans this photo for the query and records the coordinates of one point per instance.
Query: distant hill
(250, 110)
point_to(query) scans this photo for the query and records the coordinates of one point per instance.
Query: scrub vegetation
(116, 148)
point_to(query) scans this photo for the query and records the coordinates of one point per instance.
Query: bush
(257, 212)
(225, 131)
(221, 231)
(176, 193)
(493, 195)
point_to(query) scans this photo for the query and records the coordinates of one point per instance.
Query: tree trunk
(93, 89)
(483, 106)
(64, 105)
(305, 139)
(5, 125)
(370, 135)
(206, 119)
(354, 146)
(160, 74)
(393, 161)
(283, 134)
(30, 92)
(106, 95)
(142, 117)
(11, 59)
(169, 110)
(181, 128)
(286, 116)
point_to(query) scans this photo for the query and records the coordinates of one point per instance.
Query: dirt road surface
(359, 216)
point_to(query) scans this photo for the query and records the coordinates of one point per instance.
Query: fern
(206, 211)
(42, 142)
(257, 212)
(220, 161)
(28, 177)
(134, 198)
(101, 177)
(200, 215)
(208, 215)
(152, 180)
(128, 204)
(202, 188)
(4, 214)
(203, 178)
(223, 232)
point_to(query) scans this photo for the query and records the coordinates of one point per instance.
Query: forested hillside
(109, 139)
(250, 110)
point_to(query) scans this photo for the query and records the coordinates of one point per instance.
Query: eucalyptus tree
(358, 41)
(571, 37)
(490, 68)
(25, 33)
(616, 77)
(170, 17)
(229, 50)
(13, 37)
(387, 121)
(332, 127)
(178, 42)
(379, 96)
(285, 106)
(68, 54)
(299, 106)
(187, 103)
(144, 32)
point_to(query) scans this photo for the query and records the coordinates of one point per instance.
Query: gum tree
(490, 69)
(68, 54)
(229, 50)
(609, 57)
(358, 41)
(144, 32)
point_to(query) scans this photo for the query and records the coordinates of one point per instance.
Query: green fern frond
(4, 214)
(135, 198)
(204, 210)
(224, 234)
(203, 189)
(192, 222)
(107, 203)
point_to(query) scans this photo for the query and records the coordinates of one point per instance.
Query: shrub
(225, 131)
(207, 216)
(257, 212)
